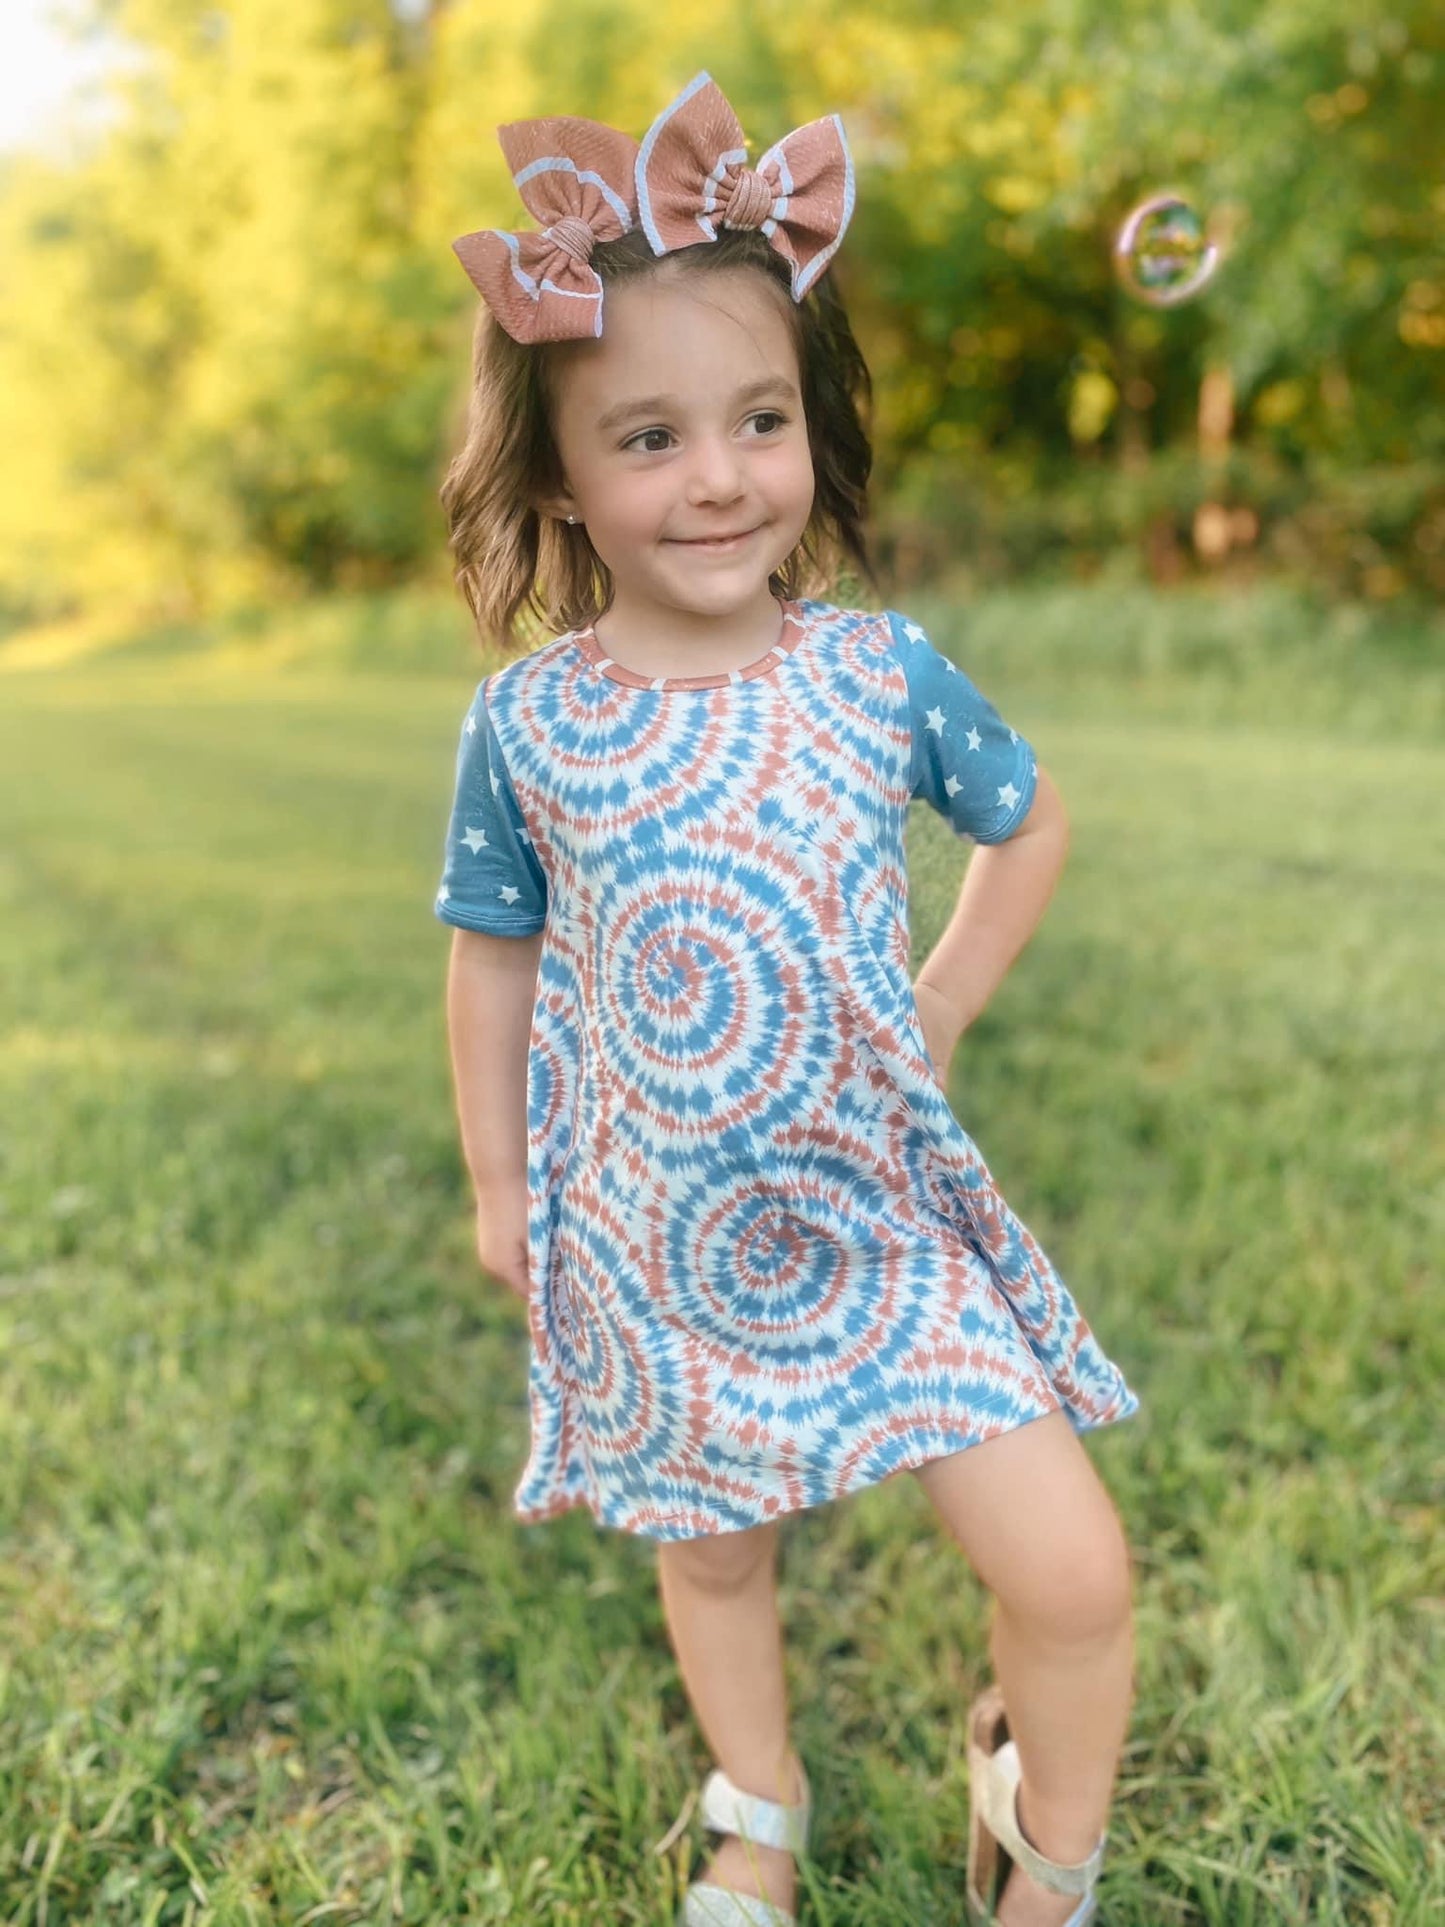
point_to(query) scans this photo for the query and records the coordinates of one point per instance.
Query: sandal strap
(727, 1809)
(704, 1905)
(996, 1778)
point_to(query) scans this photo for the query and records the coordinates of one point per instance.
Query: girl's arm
(491, 991)
(1005, 891)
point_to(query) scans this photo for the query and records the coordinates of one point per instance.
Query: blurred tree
(226, 356)
(234, 339)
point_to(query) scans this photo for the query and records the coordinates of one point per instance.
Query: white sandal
(995, 1840)
(727, 1809)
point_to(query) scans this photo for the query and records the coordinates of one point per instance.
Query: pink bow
(576, 177)
(692, 175)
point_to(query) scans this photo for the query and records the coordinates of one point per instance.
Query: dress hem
(942, 1447)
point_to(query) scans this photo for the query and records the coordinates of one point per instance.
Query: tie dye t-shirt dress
(768, 1265)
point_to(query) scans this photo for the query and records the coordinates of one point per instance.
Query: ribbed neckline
(793, 630)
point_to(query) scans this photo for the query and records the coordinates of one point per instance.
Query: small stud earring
(571, 518)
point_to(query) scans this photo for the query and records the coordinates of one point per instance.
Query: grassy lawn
(271, 1646)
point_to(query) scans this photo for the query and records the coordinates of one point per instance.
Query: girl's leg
(719, 1595)
(1034, 1520)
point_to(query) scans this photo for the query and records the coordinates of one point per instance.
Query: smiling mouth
(713, 541)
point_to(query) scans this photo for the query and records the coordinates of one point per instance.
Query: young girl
(700, 1099)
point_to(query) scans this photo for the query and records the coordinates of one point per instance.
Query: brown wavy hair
(520, 569)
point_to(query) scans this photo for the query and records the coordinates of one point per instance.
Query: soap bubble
(1162, 253)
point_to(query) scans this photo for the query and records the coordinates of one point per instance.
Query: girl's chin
(746, 566)
(720, 598)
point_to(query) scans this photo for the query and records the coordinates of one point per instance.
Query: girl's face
(684, 449)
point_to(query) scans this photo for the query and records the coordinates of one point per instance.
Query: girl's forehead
(701, 332)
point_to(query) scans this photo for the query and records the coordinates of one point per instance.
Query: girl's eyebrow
(770, 388)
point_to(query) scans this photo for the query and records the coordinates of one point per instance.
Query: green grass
(272, 1647)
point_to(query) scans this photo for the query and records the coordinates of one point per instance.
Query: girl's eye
(654, 441)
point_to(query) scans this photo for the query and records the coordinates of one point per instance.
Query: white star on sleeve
(1013, 735)
(509, 893)
(952, 785)
(474, 839)
(1008, 794)
(974, 740)
(443, 894)
(470, 724)
(935, 721)
(913, 632)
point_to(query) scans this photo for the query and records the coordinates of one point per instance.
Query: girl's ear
(561, 506)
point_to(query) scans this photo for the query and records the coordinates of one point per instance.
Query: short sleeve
(491, 878)
(967, 764)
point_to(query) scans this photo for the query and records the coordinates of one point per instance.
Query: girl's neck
(656, 641)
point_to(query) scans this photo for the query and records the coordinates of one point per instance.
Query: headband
(589, 183)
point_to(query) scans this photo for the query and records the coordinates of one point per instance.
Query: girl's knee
(722, 1561)
(1103, 1588)
(1080, 1589)
(1038, 1526)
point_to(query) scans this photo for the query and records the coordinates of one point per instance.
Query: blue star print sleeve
(491, 879)
(967, 763)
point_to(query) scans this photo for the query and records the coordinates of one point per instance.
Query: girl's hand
(942, 1027)
(502, 1235)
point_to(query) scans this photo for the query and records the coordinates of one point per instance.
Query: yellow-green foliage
(234, 339)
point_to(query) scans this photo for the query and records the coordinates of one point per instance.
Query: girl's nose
(716, 473)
